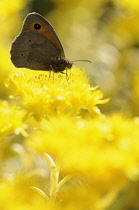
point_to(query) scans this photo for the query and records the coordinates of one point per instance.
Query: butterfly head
(60, 65)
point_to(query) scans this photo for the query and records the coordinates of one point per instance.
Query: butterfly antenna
(82, 60)
(78, 67)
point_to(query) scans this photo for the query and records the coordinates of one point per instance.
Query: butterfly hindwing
(33, 52)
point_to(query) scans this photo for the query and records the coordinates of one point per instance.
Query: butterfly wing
(34, 51)
(35, 48)
(46, 29)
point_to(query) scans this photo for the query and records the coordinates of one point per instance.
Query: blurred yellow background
(105, 32)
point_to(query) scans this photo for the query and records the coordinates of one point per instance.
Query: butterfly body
(38, 47)
(60, 65)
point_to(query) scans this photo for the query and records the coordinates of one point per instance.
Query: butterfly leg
(49, 74)
(67, 76)
(52, 71)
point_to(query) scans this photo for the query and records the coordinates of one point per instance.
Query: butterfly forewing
(46, 29)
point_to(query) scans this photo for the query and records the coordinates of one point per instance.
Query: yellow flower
(100, 148)
(19, 194)
(47, 95)
(12, 120)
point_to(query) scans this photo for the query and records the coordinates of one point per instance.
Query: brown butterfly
(38, 47)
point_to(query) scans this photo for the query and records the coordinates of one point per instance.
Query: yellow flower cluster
(95, 147)
(12, 120)
(72, 156)
(48, 95)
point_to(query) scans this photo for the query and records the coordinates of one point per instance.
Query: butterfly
(38, 47)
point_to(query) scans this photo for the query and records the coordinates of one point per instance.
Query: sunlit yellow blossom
(11, 120)
(100, 148)
(46, 96)
(19, 195)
